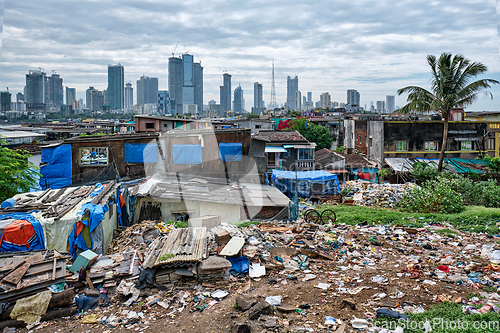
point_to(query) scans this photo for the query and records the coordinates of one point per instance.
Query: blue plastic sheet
(57, 172)
(230, 152)
(187, 154)
(76, 241)
(141, 153)
(241, 265)
(37, 244)
(285, 182)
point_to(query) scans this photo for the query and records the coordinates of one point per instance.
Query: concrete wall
(375, 132)
(349, 127)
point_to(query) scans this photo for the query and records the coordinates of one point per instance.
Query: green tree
(17, 174)
(451, 87)
(295, 113)
(313, 133)
(252, 115)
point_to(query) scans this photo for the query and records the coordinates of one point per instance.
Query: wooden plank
(54, 269)
(17, 274)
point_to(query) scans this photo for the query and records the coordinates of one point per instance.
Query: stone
(269, 322)
(245, 302)
(286, 308)
(348, 302)
(241, 327)
(261, 308)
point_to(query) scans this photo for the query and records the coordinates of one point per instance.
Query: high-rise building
(325, 100)
(238, 100)
(309, 96)
(129, 96)
(258, 103)
(298, 101)
(95, 99)
(115, 94)
(225, 92)
(54, 90)
(353, 97)
(198, 86)
(35, 90)
(390, 103)
(19, 97)
(147, 90)
(381, 106)
(163, 102)
(70, 95)
(292, 85)
(5, 101)
(185, 83)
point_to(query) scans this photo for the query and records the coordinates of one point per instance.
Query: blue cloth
(96, 216)
(37, 244)
(285, 182)
(187, 154)
(141, 153)
(240, 265)
(57, 172)
(230, 152)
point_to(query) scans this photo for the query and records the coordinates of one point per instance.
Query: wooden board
(17, 274)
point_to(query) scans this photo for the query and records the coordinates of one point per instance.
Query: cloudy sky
(375, 47)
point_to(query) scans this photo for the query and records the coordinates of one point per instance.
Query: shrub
(436, 196)
(423, 172)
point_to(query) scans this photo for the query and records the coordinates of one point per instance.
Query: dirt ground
(349, 275)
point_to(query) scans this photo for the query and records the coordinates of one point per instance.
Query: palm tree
(452, 87)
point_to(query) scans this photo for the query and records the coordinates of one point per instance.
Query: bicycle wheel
(312, 216)
(328, 216)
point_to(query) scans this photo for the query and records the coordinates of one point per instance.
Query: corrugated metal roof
(186, 245)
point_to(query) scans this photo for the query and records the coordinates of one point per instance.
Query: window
(257, 126)
(401, 146)
(288, 153)
(94, 156)
(306, 154)
(465, 145)
(431, 146)
(150, 125)
(370, 142)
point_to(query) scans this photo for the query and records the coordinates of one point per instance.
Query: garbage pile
(274, 277)
(379, 195)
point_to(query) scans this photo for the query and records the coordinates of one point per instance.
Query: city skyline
(384, 49)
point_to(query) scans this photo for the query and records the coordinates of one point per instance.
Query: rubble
(379, 195)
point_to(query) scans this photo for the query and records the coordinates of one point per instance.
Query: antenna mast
(273, 92)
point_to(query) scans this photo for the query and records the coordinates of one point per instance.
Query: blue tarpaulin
(57, 172)
(13, 241)
(230, 152)
(240, 265)
(141, 153)
(187, 154)
(75, 239)
(323, 183)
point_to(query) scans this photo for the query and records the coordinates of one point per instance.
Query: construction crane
(173, 53)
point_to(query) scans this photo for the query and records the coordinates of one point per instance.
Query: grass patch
(473, 218)
(244, 224)
(442, 317)
(178, 224)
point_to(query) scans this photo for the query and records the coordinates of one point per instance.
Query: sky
(375, 47)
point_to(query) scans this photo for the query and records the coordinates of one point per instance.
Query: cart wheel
(328, 216)
(312, 216)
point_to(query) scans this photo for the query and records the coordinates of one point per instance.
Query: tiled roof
(281, 136)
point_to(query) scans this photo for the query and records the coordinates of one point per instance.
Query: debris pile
(379, 195)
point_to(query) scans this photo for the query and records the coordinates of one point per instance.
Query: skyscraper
(390, 103)
(381, 106)
(353, 97)
(238, 100)
(147, 90)
(298, 101)
(258, 103)
(95, 99)
(5, 101)
(225, 92)
(54, 90)
(115, 94)
(129, 96)
(185, 83)
(309, 96)
(70, 95)
(35, 89)
(292, 85)
(163, 102)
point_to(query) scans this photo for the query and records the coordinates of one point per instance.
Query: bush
(436, 196)
(423, 172)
